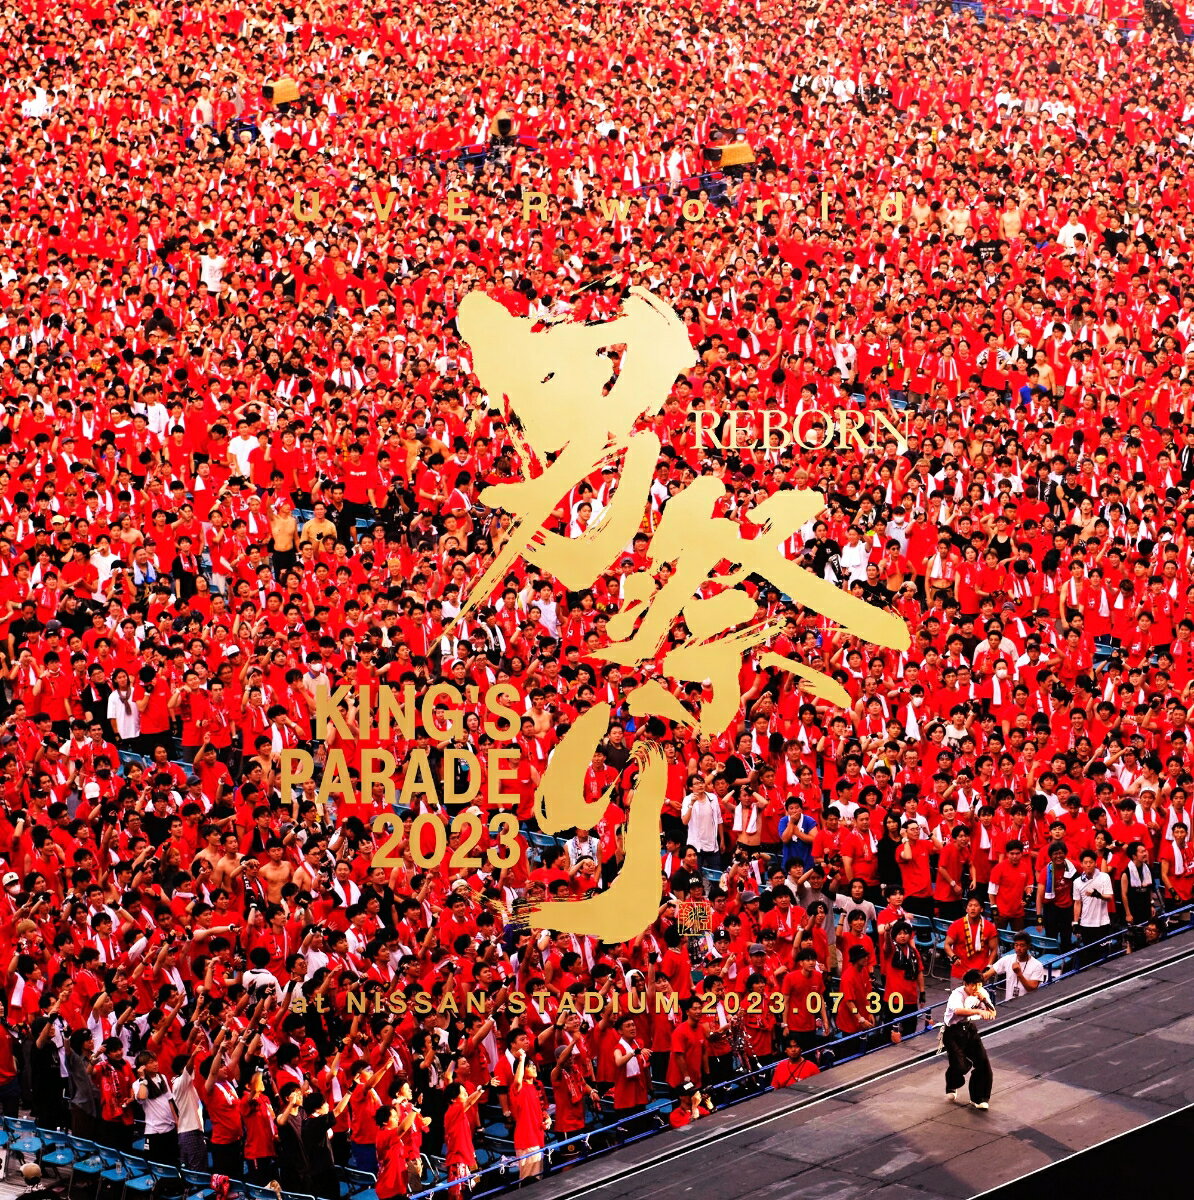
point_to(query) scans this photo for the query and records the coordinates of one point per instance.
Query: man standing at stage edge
(967, 1005)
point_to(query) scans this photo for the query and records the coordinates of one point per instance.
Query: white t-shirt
(1089, 909)
(159, 1110)
(240, 447)
(211, 271)
(854, 561)
(128, 721)
(704, 818)
(958, 999)
(1031, 970)
(186, 1097)
(103, 564)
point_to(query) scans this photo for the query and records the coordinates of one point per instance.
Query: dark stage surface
(1107, 1052)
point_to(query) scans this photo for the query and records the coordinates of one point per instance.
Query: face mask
(917, 701)
(1001, 672)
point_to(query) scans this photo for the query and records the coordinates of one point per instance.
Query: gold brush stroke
(554, 382)
(631, 903)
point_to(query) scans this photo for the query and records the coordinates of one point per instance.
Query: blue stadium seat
(56, 1152)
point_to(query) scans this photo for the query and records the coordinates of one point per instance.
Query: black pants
(262, 1170)
(228, 1158)
(721, 1067)
(906, 1018)
(659, 1065)
(922, 906)
(163, 1147)
(966, 1051)
(1059, 923)
(341, 1147)
(116, 1135)
(1087, 936)
(809, 1040)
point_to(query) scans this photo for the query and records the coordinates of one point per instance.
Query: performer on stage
(967, 1005)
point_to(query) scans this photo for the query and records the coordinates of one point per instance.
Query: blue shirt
(797, 851)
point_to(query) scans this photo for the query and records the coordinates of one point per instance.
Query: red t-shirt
(977, 957)
(687, 1058)
(391, 1163)
(915, 874)
(222, 1101)
(789, 1072)
(458, 1136)
(1012, 883)
(361, 1108)
(803, 1013)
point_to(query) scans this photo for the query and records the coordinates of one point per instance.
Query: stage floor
(1109, 1050)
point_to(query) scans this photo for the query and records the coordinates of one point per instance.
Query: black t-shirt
(157, 829)
(21, 629)
(683, 879)
(616, 756)
(987, 251)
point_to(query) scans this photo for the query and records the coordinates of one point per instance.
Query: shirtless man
(1045, 370)
(1011, 221)
(541, 719)
(275, 873)
(212, 850)
(318, 526)
(953, 214)
(283, 530)
(306, 878)
(229, 865)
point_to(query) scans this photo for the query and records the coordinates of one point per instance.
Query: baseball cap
(757, 948)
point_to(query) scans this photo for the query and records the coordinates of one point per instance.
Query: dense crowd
(244, 454)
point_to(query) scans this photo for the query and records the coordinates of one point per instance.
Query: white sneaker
(983, 1106)
(953, 1098)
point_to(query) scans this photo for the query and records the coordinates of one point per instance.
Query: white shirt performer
(966, 1007)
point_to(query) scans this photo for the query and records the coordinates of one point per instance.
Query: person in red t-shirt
(460, 1156)
(689, 1058)
(114, 1083)
(953, 873)
(971, 942)
(221, 1098)
(804, 990)
(261, 1131)
(794, 1066)
(530, 1120)
(393, 1126)
(363, 1105)
(903, 979)
(632, 1066)
(1011, 878)
(913, 860)
(854, 1009)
